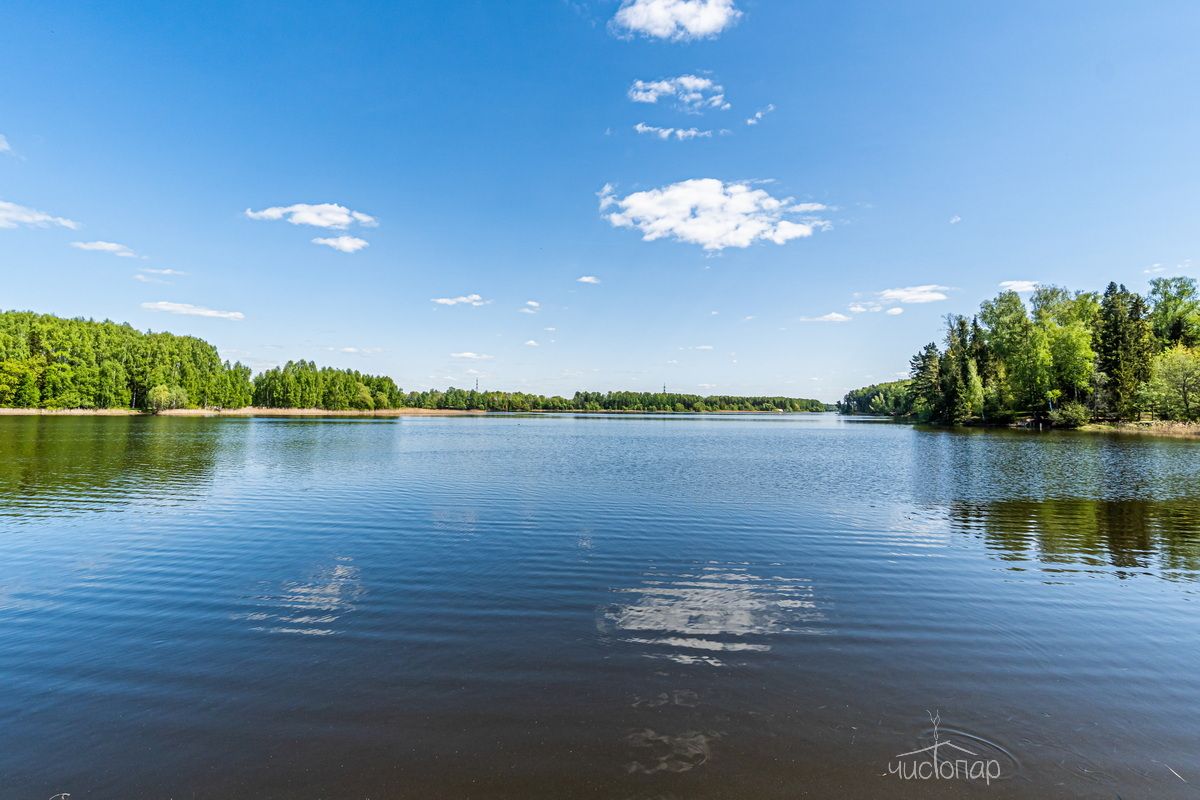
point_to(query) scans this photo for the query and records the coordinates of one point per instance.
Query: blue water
(591, 606)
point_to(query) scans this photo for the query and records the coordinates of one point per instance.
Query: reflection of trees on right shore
(1157, 536)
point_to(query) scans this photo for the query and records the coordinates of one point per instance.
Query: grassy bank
(1175, 430)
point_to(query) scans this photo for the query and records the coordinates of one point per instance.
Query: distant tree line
(1068, 358)
(454, 398)
(55, 363)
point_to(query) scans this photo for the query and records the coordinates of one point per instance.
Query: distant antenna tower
(664, 388)
(477, 384)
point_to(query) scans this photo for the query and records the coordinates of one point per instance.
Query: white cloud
(955, 219)
(758, 115)
(462, 299)
(587, 279)
(320, 215)
(1020, 287)
(153, 271)
(140, 278)
(832, 316)
(1153, 269)
(12, 215)
(711, 213)
(928, 293)
(675, 19)
(190, 310)
(747, 318)
(469, 356)
(106, 247)
(692, 93)
(530, 307)
(703, 347)
(361, 351)
(531, 343)
(343, 244)
(679, 134)
(5, 147)
(895, 312)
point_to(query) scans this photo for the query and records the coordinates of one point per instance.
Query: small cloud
(12, 215)
(758, 115)
(5, 147)
(703, 347)
(530, 343)
(692, 94)
(530, 307)
(550, 330)
(587, 279)
(707, 385)
(153, 271)
(894, 312)
(712, 214)
(955, 219)
(320, 215)
(187, 309)
(927, 293)
(1020, 287)
(343, 244)
(361, 351)
(469, 356)
(1154, 269)
(106, 247)
(714, 313)
(832, 316)
(676, 20)
(679, 134)
(461, 300)
(747, 318)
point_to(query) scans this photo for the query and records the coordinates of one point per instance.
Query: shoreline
(1168, 429)
(248, 411)
(256, 411)
(1162, 428)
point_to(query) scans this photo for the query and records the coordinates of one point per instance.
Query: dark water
(571, 607)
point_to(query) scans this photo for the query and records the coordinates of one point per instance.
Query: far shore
(256, 411)
(249, 411)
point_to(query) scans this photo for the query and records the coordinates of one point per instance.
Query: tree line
(56, 363)
(1067, 358)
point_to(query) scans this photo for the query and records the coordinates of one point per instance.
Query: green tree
(1176, 382)
(1125, 346)
(1175, 314)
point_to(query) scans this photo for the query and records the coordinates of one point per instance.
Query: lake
(594, 606)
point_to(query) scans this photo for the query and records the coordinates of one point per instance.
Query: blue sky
(906, 156)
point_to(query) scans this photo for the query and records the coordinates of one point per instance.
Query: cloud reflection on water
(311, 608)
(720, 608)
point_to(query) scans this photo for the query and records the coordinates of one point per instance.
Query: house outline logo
(929, 762)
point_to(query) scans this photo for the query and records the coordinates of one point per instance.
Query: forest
(1068, 358)
(55, 363)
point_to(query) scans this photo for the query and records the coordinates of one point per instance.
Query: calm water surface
(609, 607)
